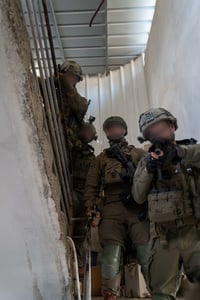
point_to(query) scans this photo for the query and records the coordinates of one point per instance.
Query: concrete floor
(100, 298)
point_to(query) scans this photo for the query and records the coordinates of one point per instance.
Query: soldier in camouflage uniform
(119, 215)
(82, 157)
(168, 177)
(74, 106)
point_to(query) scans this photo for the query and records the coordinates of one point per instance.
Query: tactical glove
(171, 151)
(93, 216)
(152, 164)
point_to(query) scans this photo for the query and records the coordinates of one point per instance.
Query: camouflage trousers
(167, 261)
(118, 224)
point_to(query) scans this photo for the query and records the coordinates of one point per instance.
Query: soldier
(82, 156)
(168, 177)
(112, 171)
(74, 105)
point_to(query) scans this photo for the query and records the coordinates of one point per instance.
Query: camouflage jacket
(143, 181)
(74, 106)
(105, 174)
(177, 194)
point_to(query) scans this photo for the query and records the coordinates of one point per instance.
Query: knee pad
(194, 276)
(110, 261)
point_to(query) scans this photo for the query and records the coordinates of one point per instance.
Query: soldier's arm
(191, 154)
(77, 103)
(142, 182)
(93, 182)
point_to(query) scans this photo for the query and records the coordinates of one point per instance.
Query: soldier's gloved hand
(93, 216)
(96, 219)
(153, 163)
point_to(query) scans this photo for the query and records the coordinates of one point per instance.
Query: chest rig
(119, 164)
(176, 197)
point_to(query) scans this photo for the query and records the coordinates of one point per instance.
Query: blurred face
(162, 130)
(71, 78)
(115, 132)
(86, 134)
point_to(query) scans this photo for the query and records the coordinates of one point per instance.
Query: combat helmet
(115, 120)
(73, 67)
(153, 116)
(89, 125)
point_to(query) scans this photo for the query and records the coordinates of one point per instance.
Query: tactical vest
(113, 172)
(177, 196)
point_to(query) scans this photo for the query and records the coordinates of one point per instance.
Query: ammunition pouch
(167, 206)
(186, 221)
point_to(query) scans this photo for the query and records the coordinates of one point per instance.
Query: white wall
(32, 257)
(172, 67)
(122, 92)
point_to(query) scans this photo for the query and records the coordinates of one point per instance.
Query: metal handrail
(75, 262)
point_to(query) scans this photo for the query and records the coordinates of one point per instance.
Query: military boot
(111, 288)
(109, 295)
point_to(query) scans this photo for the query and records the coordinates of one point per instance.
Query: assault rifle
(116, 152)
(126, 197)
(168, 147)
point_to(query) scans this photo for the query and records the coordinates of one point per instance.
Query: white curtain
(172, 63)
(122, 92)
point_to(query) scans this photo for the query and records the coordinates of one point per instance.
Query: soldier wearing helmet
(168, 177)
(154, 116)
(73, 71)
(82, 157)
(110, 176)
(74, 105)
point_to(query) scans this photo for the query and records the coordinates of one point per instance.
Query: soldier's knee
(110, 261)
(194, 276)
